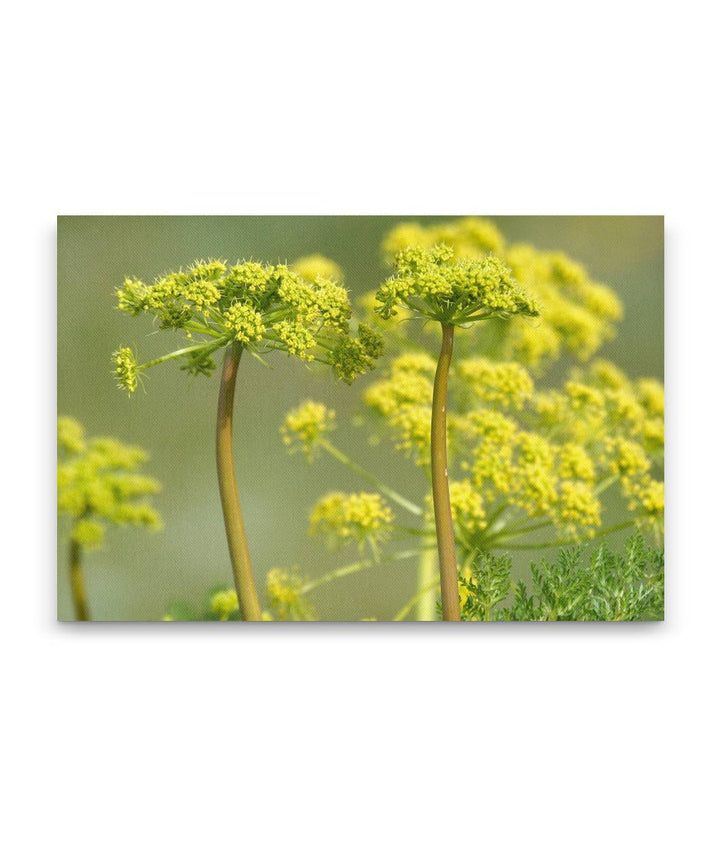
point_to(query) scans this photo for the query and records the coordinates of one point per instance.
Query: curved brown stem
(232, 512)
(77, 582)
(440, 484)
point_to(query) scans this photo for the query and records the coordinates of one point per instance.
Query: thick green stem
(77, 582)
(440, 483)
(427, 579)
(232, 512)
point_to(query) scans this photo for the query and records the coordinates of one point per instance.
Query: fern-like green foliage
(577, 586)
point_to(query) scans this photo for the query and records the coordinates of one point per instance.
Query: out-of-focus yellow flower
(224, 603)
(470, 238)
(284, 594)
(98, 483)
(468, 507)
(316, 266)
(348, 517)
(506, 384)
(306, 425)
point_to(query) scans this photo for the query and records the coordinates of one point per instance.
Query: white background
(359, 739)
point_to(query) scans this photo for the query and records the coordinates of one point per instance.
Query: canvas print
(360, 419)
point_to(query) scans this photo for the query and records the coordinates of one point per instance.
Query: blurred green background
(137, 574)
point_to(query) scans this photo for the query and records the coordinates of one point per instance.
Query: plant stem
(369, 477)
(427, 580)
(617, 528)
(77, 582)
(346, 570)
(429, 589)
(232, 512)
(440, 484)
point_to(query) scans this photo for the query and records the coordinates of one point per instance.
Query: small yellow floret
(224, 603)
(345, 517)
(506, 384)
(245, 322)
(306, 425)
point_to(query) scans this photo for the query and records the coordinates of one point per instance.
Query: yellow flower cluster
(348, 517)
(532, 458)
(577, 314)
(470, 237)
(575, 463)
(71, 435)
(602, 401)
(305, 426)
(245, 322)
(126, 370)
(578, 508)
(528, 472)
(618, 422)
(468, 506)
(284, 595)
(650, 496)
(98, 483)
(223, 603)
(269, 307)
(505, 384)
(315, 266)
(651, 395)
(409, 382)
(404, 400)
(549, 455)
(437, 284)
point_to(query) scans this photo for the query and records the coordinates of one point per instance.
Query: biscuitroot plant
(435, 285)
(99, 483)
(531, 466)
(254, 308)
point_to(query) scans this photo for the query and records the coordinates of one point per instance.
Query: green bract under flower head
(436, 284)
(304, 312)
(99, 483)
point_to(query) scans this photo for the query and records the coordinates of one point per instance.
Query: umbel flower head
(306, 426)
(578, 314)
(470, 237)
(436, 284)
(313, 266)
(261, 307)
(99, 483)
(284, 590)
(549, 454)
(223, 603)
(347, 517)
